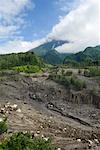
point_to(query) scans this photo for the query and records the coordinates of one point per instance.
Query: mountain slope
(48, 46)
(89, 54)
(21, 59)
(48, 53)
(53, 57)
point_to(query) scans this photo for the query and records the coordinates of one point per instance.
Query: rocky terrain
(46, 108)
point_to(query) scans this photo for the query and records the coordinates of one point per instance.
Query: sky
(25, 24)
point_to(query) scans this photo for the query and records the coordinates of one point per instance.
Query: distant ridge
(89, 54)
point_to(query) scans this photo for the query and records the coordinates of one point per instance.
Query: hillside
(9, 61)
(48, 51)
(88, 55)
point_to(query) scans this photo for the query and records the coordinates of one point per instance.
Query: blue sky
(25, 24)
(41, 19)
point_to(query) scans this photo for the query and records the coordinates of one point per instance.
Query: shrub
(86, 73)
(92, 71)
(69, 73)
(28, 69)
(20, 141)
(78, 84)
(3, 126)
(69, 81)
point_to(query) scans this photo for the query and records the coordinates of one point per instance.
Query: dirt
(50, 109)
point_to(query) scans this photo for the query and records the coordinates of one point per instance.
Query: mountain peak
(48, 46)
(48, 52)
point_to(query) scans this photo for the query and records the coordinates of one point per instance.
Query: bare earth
(46, 109)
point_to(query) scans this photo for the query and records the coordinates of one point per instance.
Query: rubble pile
(8, 108)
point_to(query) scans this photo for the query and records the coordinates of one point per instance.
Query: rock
(42, 136)
(46, 138)
(58, 148)
(90, 142)
(1, 119)
(35, 135)
(38, 132)
(45, 95)
(96, 141)
(41, 127)
(24, 132)
(51, 117)
(7, 112)
(49, 121)
(18, 110)
(8, 103)
(64, 129)
(62, 109)
(78, 140)
(2, 110)
(15, 106)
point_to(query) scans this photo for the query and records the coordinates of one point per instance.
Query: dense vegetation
(27, 62)
(90, 56)
(21, 141)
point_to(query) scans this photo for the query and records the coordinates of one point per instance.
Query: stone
(96, 141)
(42, 136)
(35, 135)
(90, 142)
(1, 119)
(38, 132)
(18, 110)
(78, 140)
(46, 139)
(58, 148)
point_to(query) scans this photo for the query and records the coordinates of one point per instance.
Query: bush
(28, 69)
(78, 84)
(3, 126)
(20, 141)
(92, 71)
(69, 73)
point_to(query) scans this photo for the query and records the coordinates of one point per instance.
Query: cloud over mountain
(80, 26)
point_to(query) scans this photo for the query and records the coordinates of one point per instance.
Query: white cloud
(20, 46)
(80, 26)
(12, 13)
(11, 8)
(67, 5)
